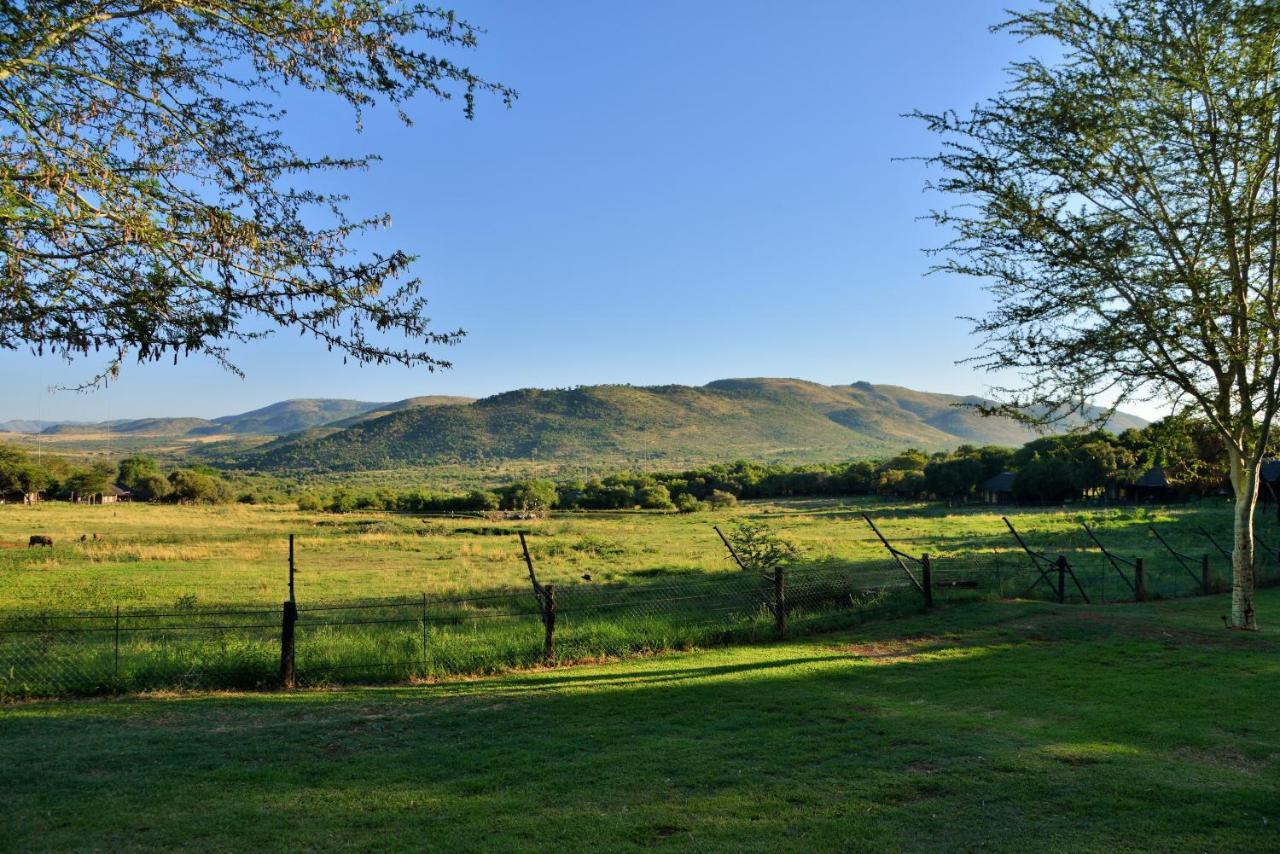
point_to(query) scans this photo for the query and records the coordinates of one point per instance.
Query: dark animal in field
(40, 540)
(586, 576)
(84, 537)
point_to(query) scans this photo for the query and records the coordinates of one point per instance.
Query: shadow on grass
(991, 739)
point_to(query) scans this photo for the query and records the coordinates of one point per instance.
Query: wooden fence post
(424, 633)
(288, 620)
(926, 571)
(1139, 581)
(780, 599)
(549, 621)
(115, 672)
(1062, 579)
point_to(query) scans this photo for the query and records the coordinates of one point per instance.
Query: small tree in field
(759, 547)
(1123, 201)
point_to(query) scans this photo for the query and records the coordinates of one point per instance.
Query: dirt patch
(898, 648)
(1223, 757)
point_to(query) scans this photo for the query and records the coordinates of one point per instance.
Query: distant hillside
(290, 416)
(24, 426)
(727, 419)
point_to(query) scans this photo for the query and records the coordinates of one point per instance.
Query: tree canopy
(151, 208)
(1122, 201)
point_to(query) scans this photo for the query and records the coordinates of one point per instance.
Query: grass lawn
(1005, 725)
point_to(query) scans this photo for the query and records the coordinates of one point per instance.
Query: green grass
(237, 555)
(657, 581)
(1009, 726)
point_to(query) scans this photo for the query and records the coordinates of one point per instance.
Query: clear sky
(685, 191)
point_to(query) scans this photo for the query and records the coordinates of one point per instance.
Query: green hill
(290, 416)
(774, 419)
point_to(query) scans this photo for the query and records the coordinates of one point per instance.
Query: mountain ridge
(754, 417)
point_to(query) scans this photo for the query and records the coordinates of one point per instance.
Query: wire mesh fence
(423, 636)
(333, 639)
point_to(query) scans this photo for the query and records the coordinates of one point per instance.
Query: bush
(537, 496)
(310, 503)
(195, 487)
(719, 499)
(654, 498)
(687, 503)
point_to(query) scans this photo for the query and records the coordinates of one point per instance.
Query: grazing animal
(40, 540)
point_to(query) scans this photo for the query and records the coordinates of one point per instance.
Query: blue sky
(685, 191)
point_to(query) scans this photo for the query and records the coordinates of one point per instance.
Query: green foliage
(89, 481)
(199, 238)
(759, 547)
(194, 487)
(687, 503)
(20, 474)
(535, 496)
(133, 469)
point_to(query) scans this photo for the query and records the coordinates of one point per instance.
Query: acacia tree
(1121, 200)
(147, 199)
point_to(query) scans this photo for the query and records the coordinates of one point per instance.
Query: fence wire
(421, 636)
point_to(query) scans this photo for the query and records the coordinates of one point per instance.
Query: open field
(1008, 726)
(187, 597)
(152, 555)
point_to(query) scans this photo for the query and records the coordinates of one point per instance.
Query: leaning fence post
(1204, 574)
(1139, 581)
(926, 571)
(549, 620)
(289, 619)
(780, 599)
(1062, 579)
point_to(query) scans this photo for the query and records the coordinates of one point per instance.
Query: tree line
(1048, 469)
(140, 476)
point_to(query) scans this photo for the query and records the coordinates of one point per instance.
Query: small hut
(999, 488)
(111, 495)
(1153, 487)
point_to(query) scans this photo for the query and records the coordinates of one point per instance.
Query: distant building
(20, 497)
(999, 488)
(1153, 487)
(111, 495)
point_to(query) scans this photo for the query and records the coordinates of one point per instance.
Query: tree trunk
(1244, 481)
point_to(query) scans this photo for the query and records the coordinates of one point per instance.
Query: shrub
(687, 503)
(654, 498)
(310, 502)
(719, 499)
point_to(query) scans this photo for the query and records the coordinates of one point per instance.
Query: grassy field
(1009, 726)
(189, 597)
(150, 555)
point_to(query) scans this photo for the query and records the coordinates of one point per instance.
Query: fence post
(1204, 575)
(1062, 579)
(424, 633)
(549, 620)
(288, 620)
(1139, 581)
(292, 598)
(115, 671)
(926, 571)
(780, 599)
